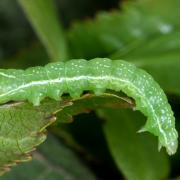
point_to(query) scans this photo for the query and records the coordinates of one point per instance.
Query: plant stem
(42, 15)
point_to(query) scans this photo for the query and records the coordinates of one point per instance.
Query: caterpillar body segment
(97, 75)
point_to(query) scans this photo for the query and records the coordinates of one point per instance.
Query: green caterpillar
(75, 76)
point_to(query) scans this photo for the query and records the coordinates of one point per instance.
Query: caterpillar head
(169, 141)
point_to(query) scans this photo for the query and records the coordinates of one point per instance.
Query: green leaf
(89, 102)
(156, 46)
(53, 160)
(22, 129)
(136, 155)
(136, 23)
(23, 125)
(160, 57)
(42, 15)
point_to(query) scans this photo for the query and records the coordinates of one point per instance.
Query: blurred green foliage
(46, 165)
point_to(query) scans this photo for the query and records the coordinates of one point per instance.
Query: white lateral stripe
(7, 75)
(66, 79)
